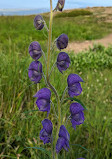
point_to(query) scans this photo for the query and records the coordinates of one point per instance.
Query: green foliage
(96, 58)
(20, 120)
(74, 13)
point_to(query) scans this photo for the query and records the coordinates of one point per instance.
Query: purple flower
(77, 115)
(35, 50)
(62, 41)
(46, 132)
(35, 71)
(38, 22)
(74, 86)
(60, 5)
(80, 158)
(63, 61)
(43, 101)
(63, 140)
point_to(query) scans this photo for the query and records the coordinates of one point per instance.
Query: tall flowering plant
(43, 96)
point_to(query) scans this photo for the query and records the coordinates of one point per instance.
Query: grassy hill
(20, 120)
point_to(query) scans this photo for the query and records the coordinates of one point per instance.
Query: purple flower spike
(77, 115)
(60, 5)
(63, 61)
(38, 22)
(46, 132)
(63, 140)
(43, 101)
(35, 71)
(35, 50)
(62, 41)
(80, 158)
(74, 86)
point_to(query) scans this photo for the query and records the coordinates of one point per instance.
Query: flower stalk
(48, 66)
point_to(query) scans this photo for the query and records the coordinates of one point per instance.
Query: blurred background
(88, 25)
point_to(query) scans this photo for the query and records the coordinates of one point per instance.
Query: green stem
(48, 66)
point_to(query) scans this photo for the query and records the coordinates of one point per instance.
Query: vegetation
(74, 13)
(20, 121)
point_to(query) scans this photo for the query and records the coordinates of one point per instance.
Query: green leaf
(41, 149)
(29, 111)
(8, 156)
(77, 100)
(80, 146)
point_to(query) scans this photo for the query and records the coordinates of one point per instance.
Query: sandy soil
(103, 14)
(79, 46)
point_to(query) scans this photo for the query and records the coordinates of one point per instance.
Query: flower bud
(62, 41)
(38, 22)
(35, 50)
(60, 5)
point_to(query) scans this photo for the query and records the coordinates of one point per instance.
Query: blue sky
(30, 4)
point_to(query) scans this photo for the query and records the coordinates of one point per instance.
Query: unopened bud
(62, 41)
(38, 22)
(60, 5)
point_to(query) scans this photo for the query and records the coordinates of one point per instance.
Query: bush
(97, 57)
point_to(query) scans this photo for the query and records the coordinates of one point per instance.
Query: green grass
(19, 125)
(74, 13)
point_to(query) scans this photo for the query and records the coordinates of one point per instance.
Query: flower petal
(75, 90)
(43, 105)
(64, 133)
(60, 143)
(78, 118)
(76, 108)
(47, 125)
(44, 136)
(43, 93)
(73, 78)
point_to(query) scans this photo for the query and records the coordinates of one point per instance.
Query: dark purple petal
(77, 115)
(38, 22)
(76, 108)
(66, 146)
(62, 143)
(74, 90)
(64, 133)
(62, 56)
(80, 158)
(35, 71)
(43, 93)
(43, 105)
(43, 133)
(35, 50)
(73, 123)
(78, 118)
(73, 78)
(47, 125)
(44, 136)
(60, 5)
(36, 66)
(62, 41)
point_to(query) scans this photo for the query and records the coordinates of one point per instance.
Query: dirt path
(79, 46)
